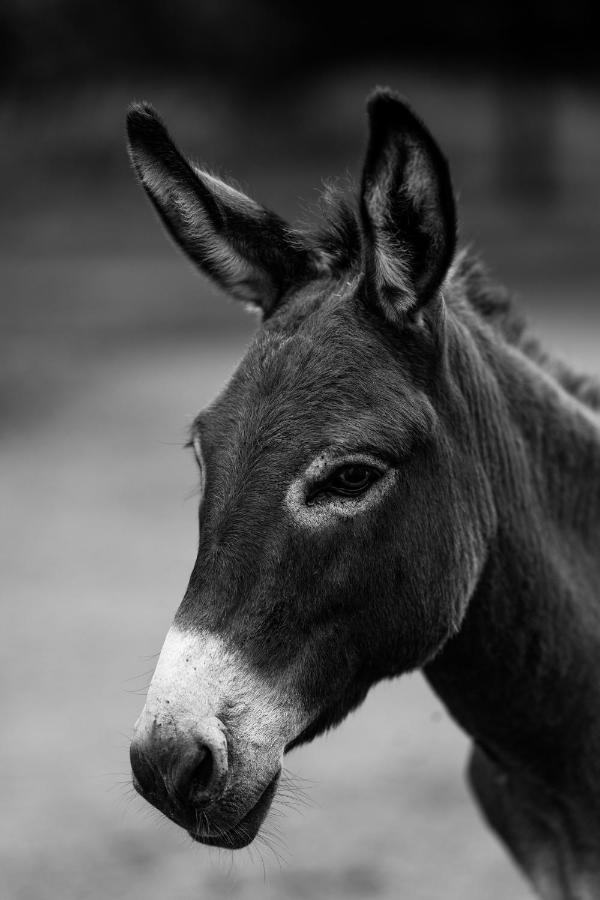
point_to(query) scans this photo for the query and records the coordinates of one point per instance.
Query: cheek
(440, 551)
(398, 584)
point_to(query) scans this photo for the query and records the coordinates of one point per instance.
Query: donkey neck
(521, 675)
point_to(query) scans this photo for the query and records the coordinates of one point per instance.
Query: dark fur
(481, 565)
(338, 233)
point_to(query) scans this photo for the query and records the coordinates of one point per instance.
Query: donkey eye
(352, 480)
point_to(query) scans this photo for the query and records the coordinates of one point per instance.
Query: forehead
(320, 373)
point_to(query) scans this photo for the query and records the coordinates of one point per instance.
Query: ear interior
(407, 208)
(247, 250)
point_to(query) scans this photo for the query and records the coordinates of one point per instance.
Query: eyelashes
(349, 480)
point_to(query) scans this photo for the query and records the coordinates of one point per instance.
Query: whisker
(149, 657)
(276, 846)
(141, 675)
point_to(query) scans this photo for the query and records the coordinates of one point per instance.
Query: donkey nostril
(176, 772)
(208, 778)
(198, 770)
(203, 774)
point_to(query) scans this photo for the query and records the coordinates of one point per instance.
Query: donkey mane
(495, 304)
(334, 228)
(337, 235)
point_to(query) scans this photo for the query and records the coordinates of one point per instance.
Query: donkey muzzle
(180, 773)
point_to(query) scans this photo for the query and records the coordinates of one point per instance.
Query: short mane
(495, 304)
(337, 234)
(334, 229)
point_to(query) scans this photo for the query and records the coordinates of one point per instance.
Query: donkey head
(340, 527)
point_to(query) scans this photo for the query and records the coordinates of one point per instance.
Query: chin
(241, 834)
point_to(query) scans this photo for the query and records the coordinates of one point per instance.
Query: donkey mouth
(244, 832)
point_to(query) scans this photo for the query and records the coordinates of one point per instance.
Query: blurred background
(110, 344)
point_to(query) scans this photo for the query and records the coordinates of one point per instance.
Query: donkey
(396, 477)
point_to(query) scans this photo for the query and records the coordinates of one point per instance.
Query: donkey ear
(244, 248)
(407, 209)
